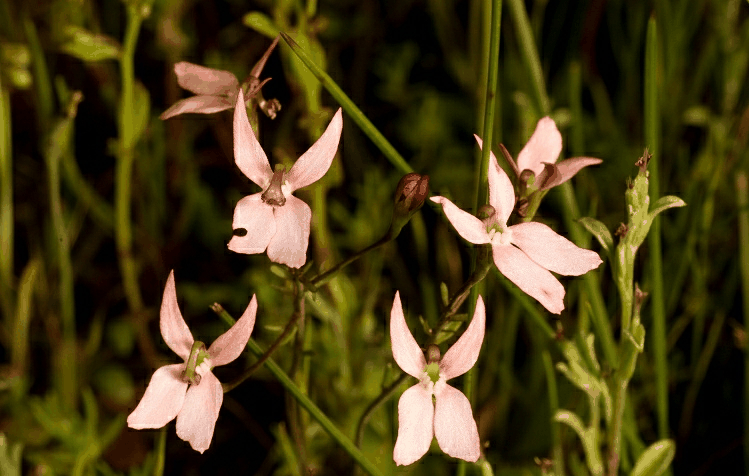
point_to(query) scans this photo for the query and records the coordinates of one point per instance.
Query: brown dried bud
(410, 194)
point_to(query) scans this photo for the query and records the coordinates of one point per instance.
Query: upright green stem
(530, 55)
(742, 201)
(6, 203)
(556, 436)
(305, 402)
(652, 139)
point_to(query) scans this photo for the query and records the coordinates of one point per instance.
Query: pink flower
(275, 219)
(450, 419)
(540, 156)
(526, 252)
(189, 391)
(216, 90)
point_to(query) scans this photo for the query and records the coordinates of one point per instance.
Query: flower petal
(467, 225)
(463, 354)
(531, 278)
(567, 169)
(163, 399)
(255, 216)
(552, 251)
(248, 154)
(175, 332)
(406, 351)
(501, 193)
(544, 145)
(206, 81)
(198, 105)
(454, 425)
(289, 244)
(197, 419)
(415, 425)
(232, 342)
(314, 163)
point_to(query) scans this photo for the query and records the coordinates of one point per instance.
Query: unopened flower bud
(412, 191)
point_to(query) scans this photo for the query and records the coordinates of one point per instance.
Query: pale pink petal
(552, 251)
(175, 332)
(406, 351)
(248, 154)
(454, 425)
(568, 168)
(232, 342)
(415, 425)
(163, 399)
(463, 354)
(197, 419)
(205, 81)
(531, 278)
(289, 244)
(255, 216)
(198, 105)
(545, 145)
(468, 226)
(313, 164)
(501, 193)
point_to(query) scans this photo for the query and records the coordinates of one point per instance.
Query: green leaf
(261, 23)
(656, 459)
(87, 46)
(599, 230)
(664, 203)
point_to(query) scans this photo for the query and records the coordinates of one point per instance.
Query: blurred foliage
(414, 69)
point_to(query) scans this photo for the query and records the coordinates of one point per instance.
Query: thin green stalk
(6, 203)
(382, 398)
(652, 139)
(158, 469)
(323, 278)
(556, 434)
(351, 109)
(19, 353)
(742, 201)
(304, 401)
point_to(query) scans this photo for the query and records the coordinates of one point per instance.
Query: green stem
(323, 278)
(461, 294)
(652, 139)
(742, 201)
(304, 401)
(351, 109)
(158, 469)
(556, 434)
(6, 203)
(382, 398)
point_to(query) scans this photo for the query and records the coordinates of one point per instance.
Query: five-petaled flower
(526, 252)
(274, 219)
(450, 417)
(190, 391)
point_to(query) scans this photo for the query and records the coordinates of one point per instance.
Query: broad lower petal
(197, 419)
(163, 399)
(567, 169)
(206, 81)
(454, 425)
(501, 192)
(530, 277)
(232, 342)
(289, 244)
(248, 154)
(467, 225)
(463, 354)
(175, 332)
(406, 351)
(255, 216)
(314, 163)
(198, 105)
(545, 145)
(552, 251)
(415, 425)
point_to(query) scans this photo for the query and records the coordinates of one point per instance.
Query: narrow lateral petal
(289, 244)
(545, 145)
(197, 419)
(552, 251)
(530, 277)
(406, 351)
(248, 154)
(206, 81)
(314, 163)
(467, 225)
(501, 193)
(255, 216)
(232, 342)
(454, 425)
(163, 399)
(175, 332)
(463, 354)
(415, 425)
(568, 168)
(198, 105)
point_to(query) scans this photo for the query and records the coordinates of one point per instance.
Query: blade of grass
(351, 109)
(6, 203)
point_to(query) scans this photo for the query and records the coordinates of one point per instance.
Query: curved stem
(382, 398)
(323, 278)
